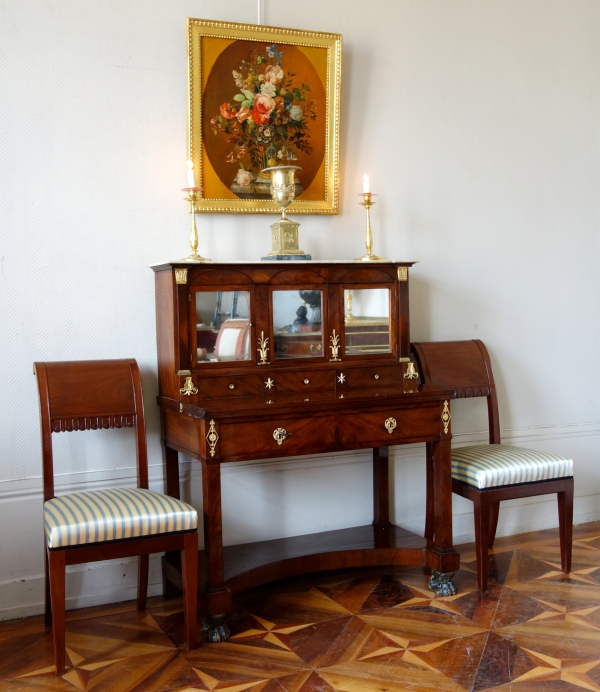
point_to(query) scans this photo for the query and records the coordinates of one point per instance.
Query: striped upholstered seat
(490, 466)
(107, 515)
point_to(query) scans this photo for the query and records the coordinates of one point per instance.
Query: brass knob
(376, 376)
(306, 381)
(279, 435)
(231, 386)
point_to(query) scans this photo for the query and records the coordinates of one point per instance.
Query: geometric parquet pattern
(379, 630)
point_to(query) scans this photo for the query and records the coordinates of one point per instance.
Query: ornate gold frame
(196, 29)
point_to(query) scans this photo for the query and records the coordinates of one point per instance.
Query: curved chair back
(90, 395)
(464, 366)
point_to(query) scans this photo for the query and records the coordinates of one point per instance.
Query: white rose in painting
(296, 113)
(243, 177)
(269, 89)
(274, 74)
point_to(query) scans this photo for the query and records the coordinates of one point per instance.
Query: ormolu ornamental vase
(284, 233)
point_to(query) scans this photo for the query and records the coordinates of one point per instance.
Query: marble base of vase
(286, 258)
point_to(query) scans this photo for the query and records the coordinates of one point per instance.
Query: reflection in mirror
(367, 321)
(297, 324)
(222, 326)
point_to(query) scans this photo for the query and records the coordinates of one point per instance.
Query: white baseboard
(91, 584)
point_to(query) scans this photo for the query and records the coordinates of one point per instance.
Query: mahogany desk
(262, 392)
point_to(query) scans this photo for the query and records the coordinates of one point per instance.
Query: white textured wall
(478, 123)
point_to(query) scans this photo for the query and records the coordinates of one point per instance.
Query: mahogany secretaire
(271, 359)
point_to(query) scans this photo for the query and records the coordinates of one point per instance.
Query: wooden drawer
(383, 428)
(254, 440)
(239, 385)
(384, 376)
(305, 381)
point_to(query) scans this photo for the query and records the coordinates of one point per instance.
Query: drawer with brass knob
(378, 376)
(277, 436)
(391, 427)
(237, 385)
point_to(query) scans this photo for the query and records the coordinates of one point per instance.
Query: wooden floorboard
(375, 629)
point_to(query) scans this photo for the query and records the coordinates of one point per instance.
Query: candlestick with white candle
(367, 203)
(193, 195)
(191, 178)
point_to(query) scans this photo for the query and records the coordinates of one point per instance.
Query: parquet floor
(534, 630)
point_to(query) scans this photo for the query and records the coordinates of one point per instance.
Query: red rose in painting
(263, 107)
(226, 113)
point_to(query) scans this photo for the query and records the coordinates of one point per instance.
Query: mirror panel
(222, 326)
(366, 321)
(297, 323)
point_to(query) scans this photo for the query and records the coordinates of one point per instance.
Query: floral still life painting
(262, 102)
(268, 123)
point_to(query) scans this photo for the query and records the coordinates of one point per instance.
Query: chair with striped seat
(488, 474)
(105, 524)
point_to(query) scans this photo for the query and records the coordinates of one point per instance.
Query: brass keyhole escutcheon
(376, 376)
(306, 381)
(279, 435)
(232, 386)
(390, 425)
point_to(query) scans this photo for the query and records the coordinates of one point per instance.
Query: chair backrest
(90, 395)
(464, 366)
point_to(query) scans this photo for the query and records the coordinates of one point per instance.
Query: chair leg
(429, 508)
(565, 522)
(482, 520)
(56, 563)
(47, 605)
(142, 594)
(189, 561)
(494, 512)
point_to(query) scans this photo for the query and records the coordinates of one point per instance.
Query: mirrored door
(222, 326)
(298, 323)
(366, 321)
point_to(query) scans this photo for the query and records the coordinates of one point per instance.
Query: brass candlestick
(192, 197)
(367, 203)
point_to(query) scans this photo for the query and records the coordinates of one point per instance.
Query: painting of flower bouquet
(268, 122)
(262, 97)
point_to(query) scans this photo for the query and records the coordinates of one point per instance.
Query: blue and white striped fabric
(490, 466)
(108, 515)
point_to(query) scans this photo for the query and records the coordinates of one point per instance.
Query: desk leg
(442, 557)
(172, 559)
(381, 497)
(217, 597)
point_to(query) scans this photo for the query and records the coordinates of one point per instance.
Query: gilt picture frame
(261, 96)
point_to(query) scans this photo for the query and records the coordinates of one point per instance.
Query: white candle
(191, 180)
(366, 186)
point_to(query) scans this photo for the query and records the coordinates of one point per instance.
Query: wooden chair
(488, 474)
(105, 524)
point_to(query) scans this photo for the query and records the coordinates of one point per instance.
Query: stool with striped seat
(114, 523)
(488, 474)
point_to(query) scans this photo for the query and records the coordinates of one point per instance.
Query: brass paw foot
(441, 583)
(215, 628)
